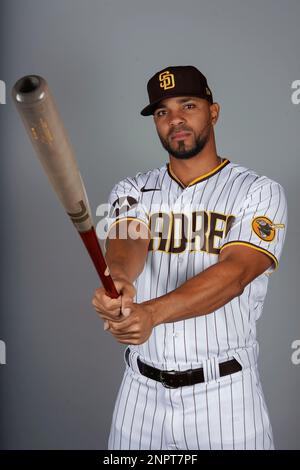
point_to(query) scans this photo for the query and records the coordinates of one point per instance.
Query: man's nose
(176, 118)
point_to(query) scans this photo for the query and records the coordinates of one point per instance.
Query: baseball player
(191, 246)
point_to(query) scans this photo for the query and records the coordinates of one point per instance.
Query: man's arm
(212, 288)
(126, 257)
(201, 295)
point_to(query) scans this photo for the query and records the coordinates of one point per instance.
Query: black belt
(175, 379)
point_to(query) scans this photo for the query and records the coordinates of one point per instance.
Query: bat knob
(29, 89)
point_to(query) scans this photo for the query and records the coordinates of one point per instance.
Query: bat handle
(91, 243)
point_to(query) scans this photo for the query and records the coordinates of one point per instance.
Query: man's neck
(188, 170)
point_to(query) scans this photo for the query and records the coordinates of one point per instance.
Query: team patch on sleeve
(264, 228)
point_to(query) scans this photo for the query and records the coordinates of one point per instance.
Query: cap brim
(148, 110)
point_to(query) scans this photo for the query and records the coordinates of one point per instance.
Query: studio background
(63, 371)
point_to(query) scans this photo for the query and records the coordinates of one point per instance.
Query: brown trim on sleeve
(117, 221)
(255, 247)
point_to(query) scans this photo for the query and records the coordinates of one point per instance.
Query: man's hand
(134, 329)
(114, 309)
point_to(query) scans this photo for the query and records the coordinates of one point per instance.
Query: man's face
(184, 125)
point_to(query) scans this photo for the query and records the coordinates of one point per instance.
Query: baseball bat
(39, 113)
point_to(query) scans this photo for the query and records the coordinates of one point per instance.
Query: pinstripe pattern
(224, 412)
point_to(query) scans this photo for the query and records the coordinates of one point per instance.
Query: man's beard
(182, 152)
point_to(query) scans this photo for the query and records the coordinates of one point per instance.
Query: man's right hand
(114, 309)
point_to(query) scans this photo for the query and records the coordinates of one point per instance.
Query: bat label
(41, 132)
(81, 216)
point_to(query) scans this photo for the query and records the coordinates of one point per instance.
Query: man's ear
(214, 112)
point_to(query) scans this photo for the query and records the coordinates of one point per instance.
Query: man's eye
(163, 111)
(190, 104)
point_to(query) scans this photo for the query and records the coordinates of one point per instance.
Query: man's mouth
(180, 135)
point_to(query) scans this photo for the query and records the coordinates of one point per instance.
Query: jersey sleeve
(261, 222)
(124, 202)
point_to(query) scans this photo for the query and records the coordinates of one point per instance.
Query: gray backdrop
(62, 373)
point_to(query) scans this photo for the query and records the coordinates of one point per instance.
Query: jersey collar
(199, 178)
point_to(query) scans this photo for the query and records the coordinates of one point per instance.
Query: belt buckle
(162, 377)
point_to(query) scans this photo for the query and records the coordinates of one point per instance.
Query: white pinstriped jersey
(190, 226)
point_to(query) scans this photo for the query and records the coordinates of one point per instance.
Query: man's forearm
(126, 257)
(200, 295)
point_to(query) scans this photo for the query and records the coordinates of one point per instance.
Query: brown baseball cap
(180, 80)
